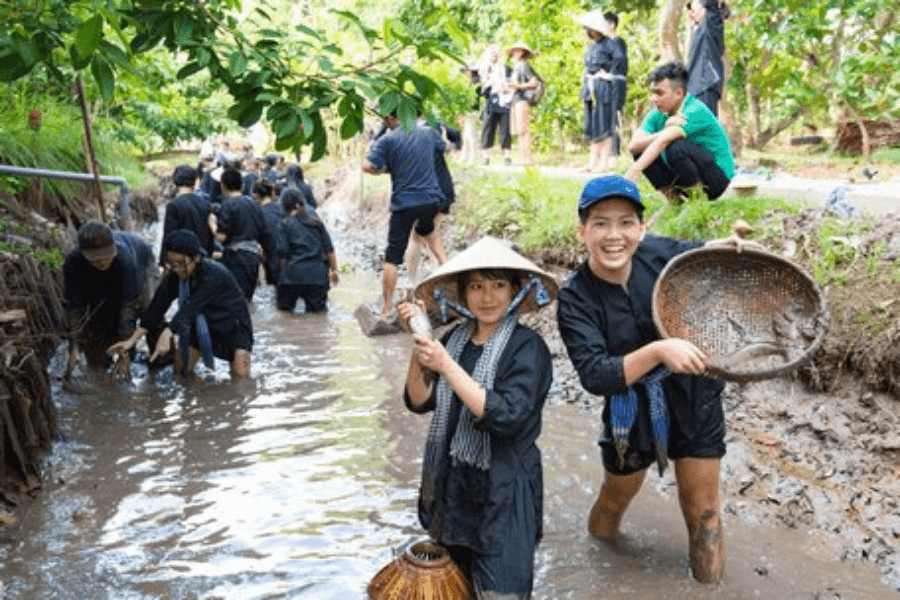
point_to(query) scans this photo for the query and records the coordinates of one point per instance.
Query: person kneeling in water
(212, 318)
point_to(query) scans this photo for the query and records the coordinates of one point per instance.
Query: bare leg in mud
(240, 366)
(388, 284)
(698, 493)
(615, 496)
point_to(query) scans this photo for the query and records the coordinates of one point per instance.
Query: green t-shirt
(701, 128)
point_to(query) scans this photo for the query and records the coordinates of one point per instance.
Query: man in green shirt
(681, 144)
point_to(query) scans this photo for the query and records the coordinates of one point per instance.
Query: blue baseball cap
(609, 186)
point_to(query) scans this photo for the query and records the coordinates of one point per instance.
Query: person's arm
(419, 388)
(123, 346)
(375, 162)
(371, 169)
(679, 356)
(170, 224)
(715, 24)
(653, 148)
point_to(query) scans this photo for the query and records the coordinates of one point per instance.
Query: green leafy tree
(818, 59)
(290, 76)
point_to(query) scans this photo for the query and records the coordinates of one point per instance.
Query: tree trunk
(753, 109)
(89, 145)
(766, 136)
(669, 48)
(866, 143)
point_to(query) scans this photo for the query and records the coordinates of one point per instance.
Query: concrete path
(877, 197)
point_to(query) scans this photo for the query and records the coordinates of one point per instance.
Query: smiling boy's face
(612, 232)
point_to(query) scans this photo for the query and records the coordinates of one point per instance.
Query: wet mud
(301, 482)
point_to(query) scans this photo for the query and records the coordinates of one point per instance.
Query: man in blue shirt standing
(681, 144)
(416, 196)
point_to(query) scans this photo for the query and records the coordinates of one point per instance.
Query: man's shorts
(402, 223)
(696, 430)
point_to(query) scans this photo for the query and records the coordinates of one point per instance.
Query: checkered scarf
(467, 445)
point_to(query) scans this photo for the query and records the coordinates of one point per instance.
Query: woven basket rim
(430, 547)
(706, 253)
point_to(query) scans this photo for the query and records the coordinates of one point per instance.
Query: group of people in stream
(486, 379)
(209, 261)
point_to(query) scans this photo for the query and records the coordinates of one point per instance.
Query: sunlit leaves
(88, 37)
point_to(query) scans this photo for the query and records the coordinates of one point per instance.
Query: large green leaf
(88, 36)
(103, 74)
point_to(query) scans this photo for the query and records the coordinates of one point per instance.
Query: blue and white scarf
(467, 445)
(623, 412)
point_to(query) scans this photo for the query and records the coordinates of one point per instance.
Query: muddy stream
(302, 481)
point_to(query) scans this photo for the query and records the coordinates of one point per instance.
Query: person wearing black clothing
(242, 227)
(705, 67)
(619, 72)
(212, 317)
(485, 383)
(266, 195)
(187, 210)
(658, 404)
(293, 176)
(107, 282)
(309, 264)
(598, 90)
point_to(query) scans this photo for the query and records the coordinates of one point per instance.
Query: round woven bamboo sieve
(754, 314)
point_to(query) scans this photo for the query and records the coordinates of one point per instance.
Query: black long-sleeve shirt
(600, 322)
(242, 220)
(108, 302)
(187, 211)
(213, 291)
(305, 252)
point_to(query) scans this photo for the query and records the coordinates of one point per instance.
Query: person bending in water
(658, 404)
(108, 280)
(212, 317)
(482, 485)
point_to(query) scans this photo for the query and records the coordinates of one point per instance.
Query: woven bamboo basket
(424, 571)
(754, 314)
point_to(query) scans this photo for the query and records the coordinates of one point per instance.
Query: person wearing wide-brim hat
(597, 95)
(525, 48)
(522, 79)
(486, 381)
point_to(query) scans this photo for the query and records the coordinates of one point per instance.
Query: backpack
(533, 95)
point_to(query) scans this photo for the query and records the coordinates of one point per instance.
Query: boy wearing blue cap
(658, 406)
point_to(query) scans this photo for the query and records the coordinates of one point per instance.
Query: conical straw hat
(521, 46)
(592, 20)
(486, 253)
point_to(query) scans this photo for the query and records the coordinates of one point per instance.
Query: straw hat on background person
(486, 253)
(520, 45)
(593, 20)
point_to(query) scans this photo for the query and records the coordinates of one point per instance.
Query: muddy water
(300, 482)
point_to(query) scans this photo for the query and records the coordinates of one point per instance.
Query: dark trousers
(494, 117)
(315, 297)
(245, 268)
(686, 165)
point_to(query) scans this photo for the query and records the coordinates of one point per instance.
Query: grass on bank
(539, 212)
